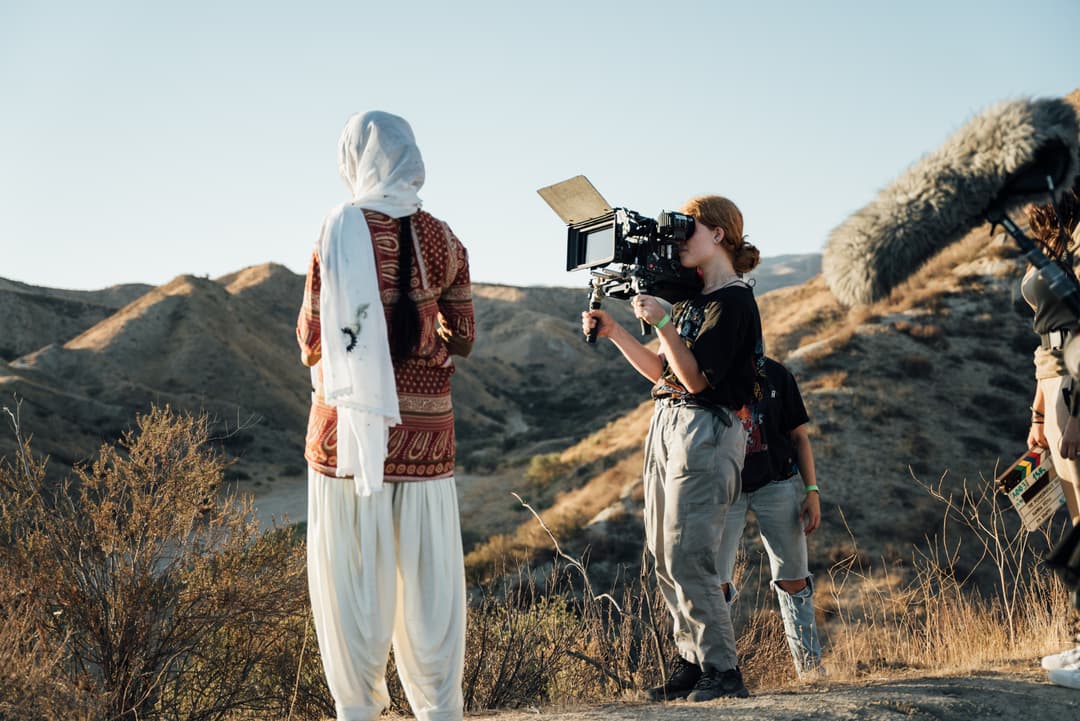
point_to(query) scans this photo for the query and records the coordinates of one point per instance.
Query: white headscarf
(379, 161)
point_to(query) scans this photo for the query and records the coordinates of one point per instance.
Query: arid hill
(85, 362)
(35, 316)
(932, 383)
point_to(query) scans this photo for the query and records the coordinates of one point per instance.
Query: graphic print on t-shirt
(753, 420)
(690, 320)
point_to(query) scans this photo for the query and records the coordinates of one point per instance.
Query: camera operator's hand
(647, 308)
(599, 319)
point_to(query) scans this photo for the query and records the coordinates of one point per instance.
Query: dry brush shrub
(547, 637)
(147, 592)
(29, 685)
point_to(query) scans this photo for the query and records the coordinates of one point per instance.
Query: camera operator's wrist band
(662, 322)
(812, 488)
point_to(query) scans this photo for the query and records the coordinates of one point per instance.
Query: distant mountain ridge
(780, 271)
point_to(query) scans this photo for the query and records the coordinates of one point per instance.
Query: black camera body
(625, 252)
(644, 250)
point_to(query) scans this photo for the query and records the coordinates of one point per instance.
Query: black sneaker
(682, 675)
(715, 684)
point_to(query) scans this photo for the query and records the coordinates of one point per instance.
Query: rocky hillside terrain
(930, 386)
(931, 383)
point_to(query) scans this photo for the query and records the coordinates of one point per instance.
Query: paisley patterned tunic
(422, 447)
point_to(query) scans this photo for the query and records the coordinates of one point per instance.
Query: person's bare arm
(644, 360)
(804, 458)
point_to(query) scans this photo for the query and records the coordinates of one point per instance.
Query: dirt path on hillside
(1002, 695)
(484, 501)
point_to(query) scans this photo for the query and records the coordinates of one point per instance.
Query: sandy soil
(1005, 694)
(288, 497)
(284, 498)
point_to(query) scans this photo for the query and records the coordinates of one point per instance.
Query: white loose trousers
(388, 568)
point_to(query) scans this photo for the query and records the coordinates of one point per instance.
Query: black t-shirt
(723, 331)
(773, 419)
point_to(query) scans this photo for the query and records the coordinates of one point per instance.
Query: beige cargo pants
(692, 475)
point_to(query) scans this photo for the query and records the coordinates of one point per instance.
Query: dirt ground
(1012, 693)
(286, 498)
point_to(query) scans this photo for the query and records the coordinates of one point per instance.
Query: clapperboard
(1032, 487)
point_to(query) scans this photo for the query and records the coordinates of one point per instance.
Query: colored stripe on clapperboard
(1021, 470)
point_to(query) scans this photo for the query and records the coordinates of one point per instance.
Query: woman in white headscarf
(385, 563)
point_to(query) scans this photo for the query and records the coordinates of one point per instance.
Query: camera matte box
(575, 200)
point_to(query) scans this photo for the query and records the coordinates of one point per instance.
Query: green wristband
(812, 488)
(662, 322)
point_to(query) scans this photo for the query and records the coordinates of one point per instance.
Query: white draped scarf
(379, 161)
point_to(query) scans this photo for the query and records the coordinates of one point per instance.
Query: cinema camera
(625, 252)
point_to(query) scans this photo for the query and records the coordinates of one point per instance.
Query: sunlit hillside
(932, 383)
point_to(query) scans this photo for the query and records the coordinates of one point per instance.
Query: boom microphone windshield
(997, 162)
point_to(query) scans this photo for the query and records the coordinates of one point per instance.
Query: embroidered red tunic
(422, 447)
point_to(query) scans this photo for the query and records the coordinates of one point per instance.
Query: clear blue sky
(141, 140)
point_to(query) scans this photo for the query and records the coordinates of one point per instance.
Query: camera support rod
(646, 329)
(596, 295)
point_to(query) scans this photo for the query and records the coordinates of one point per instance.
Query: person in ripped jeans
(779, 446)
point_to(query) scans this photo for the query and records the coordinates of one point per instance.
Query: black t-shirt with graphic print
(723, 331)
(775, 416)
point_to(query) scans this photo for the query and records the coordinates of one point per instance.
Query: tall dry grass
(978, 595)
(134, 591)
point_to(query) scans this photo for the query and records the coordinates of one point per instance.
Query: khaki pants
(692, 475)
(1068, 469)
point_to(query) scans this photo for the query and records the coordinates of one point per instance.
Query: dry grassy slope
(935, 379)
(532, 383)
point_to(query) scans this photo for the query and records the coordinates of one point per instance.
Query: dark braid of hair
(405, 318)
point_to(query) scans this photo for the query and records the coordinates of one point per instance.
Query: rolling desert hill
(35, 316)
(85, 363)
